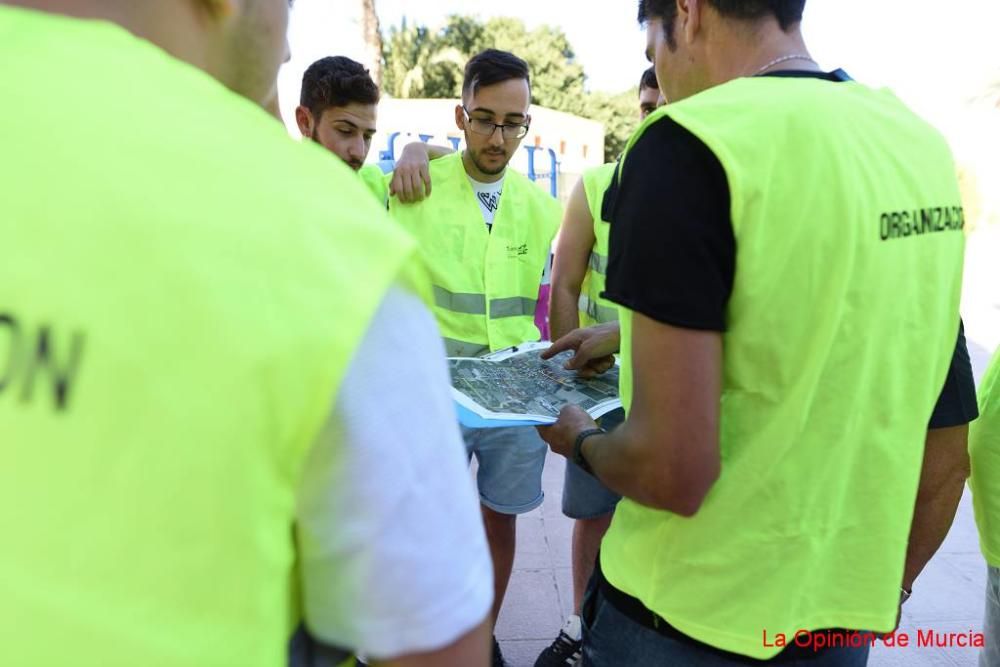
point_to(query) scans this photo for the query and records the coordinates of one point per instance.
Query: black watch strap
(578, 458)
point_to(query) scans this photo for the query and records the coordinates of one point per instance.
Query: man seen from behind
(194, 400)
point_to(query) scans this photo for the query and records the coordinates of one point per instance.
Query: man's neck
(175, 27)
(476, 174)
(740, 53)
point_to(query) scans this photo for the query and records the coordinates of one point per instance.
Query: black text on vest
(38, 356)
(902, 224)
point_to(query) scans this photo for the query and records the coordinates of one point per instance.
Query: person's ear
(460, 117)
(689, 15)
(304, 119)
(220, 11)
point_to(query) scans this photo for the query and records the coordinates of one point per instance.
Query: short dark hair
(336, 81)
(648, 79)
(491, 67)
(786, 12)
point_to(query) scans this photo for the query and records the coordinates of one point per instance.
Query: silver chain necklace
(777, 61)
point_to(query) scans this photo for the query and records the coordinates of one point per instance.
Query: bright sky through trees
(933, 54)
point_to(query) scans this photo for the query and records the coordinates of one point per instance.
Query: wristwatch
(904, 595)
(578, 458)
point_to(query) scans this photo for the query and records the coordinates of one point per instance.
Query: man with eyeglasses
(485, 234)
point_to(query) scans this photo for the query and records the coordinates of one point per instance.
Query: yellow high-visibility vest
(984, 449)
(841, 326)
(485, 282)
(178, 307)
(595, 309)
(375, 180)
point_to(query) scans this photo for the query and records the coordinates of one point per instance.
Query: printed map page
(521, 386)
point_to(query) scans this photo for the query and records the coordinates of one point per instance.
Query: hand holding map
(519, 386)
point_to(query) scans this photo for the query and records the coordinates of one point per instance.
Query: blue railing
(387, 159)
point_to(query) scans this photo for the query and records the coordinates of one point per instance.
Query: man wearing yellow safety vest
(788, 316)
(485, 234)
(192, 385)
(984, 449)
(581, 260)
(338, 109)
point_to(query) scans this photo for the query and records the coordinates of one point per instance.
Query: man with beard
(192, 390)
(338, 109)
(485, 234)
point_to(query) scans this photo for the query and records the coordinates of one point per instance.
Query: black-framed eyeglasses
(509, 131)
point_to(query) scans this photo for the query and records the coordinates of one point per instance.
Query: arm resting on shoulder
(411, 177)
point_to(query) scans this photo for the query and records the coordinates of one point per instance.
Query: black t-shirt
(672, 254)
(957, 403)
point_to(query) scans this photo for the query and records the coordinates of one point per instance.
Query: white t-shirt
(391, 545)
(488, 195)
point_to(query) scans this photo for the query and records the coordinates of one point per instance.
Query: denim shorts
(584, 497)
(510, 467)
(612, 639)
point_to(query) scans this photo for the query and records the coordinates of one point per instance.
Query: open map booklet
(516, 387)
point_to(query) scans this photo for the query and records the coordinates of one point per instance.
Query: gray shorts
(510, 467)
(584, 497)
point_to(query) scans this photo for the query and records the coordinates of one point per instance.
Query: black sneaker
(563, 652)
(498, 660)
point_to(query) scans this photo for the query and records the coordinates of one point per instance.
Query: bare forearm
(632, 467)
(471, 649)
(564, 314)
(434, 151)
(942, 481)
(666, 454)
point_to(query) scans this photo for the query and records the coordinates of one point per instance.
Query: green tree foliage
(620, 115)
(418, 64)
(421, 63)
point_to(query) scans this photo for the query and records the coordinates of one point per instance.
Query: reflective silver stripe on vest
(461, 348)
(470, 304)
(597, 312)
(512, 307)
(598, 263)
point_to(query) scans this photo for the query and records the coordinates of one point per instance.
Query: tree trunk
(373, 39)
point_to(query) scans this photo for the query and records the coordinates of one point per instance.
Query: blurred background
(943, 59)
